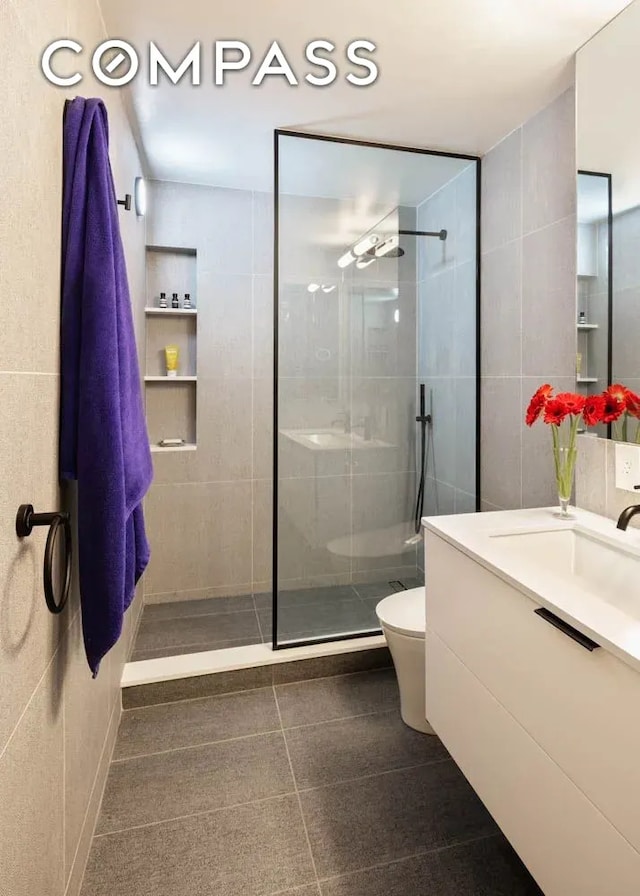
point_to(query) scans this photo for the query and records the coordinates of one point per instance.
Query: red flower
(614, 403)
(593, 410)
(537, 403)
(632, 404)
(619, 392)
(555, 412)
(573, 402)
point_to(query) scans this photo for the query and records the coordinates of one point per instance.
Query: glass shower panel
(353, 274)
(447, 344)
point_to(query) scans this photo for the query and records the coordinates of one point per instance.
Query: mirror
(608, 154)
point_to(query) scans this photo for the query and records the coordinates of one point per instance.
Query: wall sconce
(140, 194)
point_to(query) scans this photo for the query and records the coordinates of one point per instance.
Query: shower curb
(229, 682)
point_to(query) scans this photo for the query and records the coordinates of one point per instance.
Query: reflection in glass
(366, 314)
(594, 284)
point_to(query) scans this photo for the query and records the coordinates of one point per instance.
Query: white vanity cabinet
(546, 731)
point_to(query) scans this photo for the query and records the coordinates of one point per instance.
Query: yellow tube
(171, 356)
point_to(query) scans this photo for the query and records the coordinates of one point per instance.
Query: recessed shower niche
(171, 319)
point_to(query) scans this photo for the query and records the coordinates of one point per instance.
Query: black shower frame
(348, 141)
(609, 180)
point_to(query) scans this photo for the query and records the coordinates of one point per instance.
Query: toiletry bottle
(171, 354)
(163, 300)
(187, 300)
(582, 318)
(174, 300)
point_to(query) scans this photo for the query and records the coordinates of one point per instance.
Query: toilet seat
(404, 612)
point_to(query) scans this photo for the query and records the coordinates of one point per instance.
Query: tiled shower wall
(57, 724)
(447, 342)
(528, 299)
(211, 509)
(345, 353)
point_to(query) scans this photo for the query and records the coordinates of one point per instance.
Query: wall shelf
(587, 379)
(171, 312)
(160, 449)
(173, 250)
(171, 379)
(171, 402)
(587, 326)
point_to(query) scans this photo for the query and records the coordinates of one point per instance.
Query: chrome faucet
(367, 426)
(626, 516)
(344, 420)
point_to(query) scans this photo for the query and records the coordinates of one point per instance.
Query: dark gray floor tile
(416, 582)
(191, 630)
(301, 596)
(192, 722)
(263, 601)
(372, 603)
(197, 686)
(337, 664)
(339, 697)
(312, 890)
(321, 619)
(367, 745)
(197, 779)
(392, 816)
(252, 850)
(375, 589)
(182, 649)
(487, 867)
(202, 607)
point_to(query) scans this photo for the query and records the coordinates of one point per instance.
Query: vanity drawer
(581, 707)
(567, 844)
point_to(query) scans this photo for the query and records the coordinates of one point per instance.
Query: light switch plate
(628, 467)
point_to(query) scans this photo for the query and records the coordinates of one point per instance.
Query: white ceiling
(454, 74)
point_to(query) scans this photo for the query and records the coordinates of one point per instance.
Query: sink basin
(327, 439)
(604, 566)
(332, 440)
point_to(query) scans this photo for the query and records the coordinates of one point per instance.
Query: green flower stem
(564, 455)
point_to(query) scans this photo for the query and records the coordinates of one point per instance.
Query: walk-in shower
(375, 372)
(372, 388)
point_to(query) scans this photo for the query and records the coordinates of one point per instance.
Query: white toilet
(402, 618)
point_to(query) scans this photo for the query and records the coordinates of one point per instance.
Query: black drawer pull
(566, 629)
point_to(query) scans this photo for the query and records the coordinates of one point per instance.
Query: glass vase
(564, 456)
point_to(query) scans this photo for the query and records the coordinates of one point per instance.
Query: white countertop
(611, 627)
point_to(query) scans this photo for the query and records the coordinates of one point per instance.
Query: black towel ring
(26, 520)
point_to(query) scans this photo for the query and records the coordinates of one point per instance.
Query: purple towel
(103, 434)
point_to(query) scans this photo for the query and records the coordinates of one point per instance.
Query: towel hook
(26, 520)
(126, 202)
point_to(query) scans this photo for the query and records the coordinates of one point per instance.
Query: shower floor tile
(340, 799)
(191, 626)
(197, 630)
